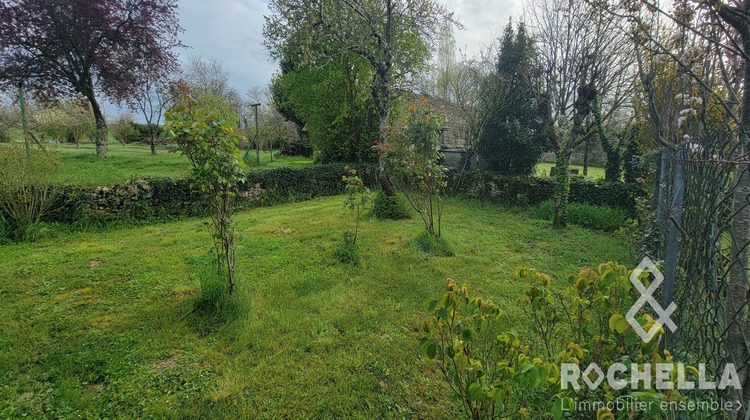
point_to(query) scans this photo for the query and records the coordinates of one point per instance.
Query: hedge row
(161, 198)
(298, 184)
(528, 190)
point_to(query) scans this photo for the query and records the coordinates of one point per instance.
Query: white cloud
(231, 31)
(483, 20)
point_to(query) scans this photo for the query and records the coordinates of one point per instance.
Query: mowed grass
(100, 324)
(82, 166)
(594, 172)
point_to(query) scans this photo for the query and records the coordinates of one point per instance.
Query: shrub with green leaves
(497, 372)
(27, 193)
(357, 197)
(385, 207)
(210, 144)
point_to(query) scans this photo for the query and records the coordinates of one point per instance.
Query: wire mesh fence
(701, 208)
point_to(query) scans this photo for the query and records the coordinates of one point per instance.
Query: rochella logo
(647, 297)
(570, 373)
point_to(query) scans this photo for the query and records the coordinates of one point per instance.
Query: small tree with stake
(210, 144)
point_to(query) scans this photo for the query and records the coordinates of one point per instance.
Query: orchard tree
(208, 80)
(66, 120)
(151, 100)
(86, 48)
(393, 36)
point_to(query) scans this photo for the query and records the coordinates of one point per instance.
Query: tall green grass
(603, 218)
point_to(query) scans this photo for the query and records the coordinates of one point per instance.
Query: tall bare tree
(151, 100)
(207, 77)
(583, 57)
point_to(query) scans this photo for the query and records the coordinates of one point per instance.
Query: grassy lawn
(595, 172)
(100, 324)
(81, 166)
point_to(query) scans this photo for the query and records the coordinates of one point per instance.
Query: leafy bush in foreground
(497, 372)
(210, 144)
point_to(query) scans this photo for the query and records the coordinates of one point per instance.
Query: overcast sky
(232, 31)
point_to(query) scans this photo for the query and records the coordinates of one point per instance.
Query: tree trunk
(101, 126)
(382, 96)
(153, 145)
(562, 188)
(586, 159)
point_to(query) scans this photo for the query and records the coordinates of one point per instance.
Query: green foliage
(562, 190)
(632, 155)
(487, 369)
(527, 190)
(66, 120)
(435, 246)
(512, 141)
(334, 105)
(298, 184)
(141, 132)
(27, 193)
(210, 144)
(412, 156)
(499, 373)
(603, 218)
(10, 119)
(613, 167)
(126, 341)
(357, 197)
(123, 129)
(348, 251)
(389, 208)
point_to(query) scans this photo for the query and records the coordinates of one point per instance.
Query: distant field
(82, 166)
(595, 172)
